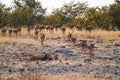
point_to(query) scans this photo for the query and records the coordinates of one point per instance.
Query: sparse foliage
(30, 13)
(114, 12)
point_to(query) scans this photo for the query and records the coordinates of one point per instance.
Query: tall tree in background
(70, 12)
(51, 20)
(117, 1)
(28, 12)
(115, 13)
(98, 17)
(4, 14)
(1, 14)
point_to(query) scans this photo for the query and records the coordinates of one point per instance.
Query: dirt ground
(22, 58)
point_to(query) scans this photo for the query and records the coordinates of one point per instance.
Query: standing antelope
(42, 39)
(51, 30)
(73, 41)
(19, 30)
(3, 31)
(29, 29)
(15, 31)
(10, 32)
(63, 31)
(69, 36)
(36, 34)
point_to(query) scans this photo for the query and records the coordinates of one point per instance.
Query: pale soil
(104, 65)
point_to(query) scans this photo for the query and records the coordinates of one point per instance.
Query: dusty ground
(74, 63)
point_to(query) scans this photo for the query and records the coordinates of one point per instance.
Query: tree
(115, 13)
(28, 12)
(4, 14)
(51, 20)
(69, 12)
(20, 16)
(98, 17)
(117, 1)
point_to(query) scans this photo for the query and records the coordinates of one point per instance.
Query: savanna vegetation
(30, 13)
(74, 42)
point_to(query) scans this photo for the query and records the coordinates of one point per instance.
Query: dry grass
(106, 35)
(71, 76)
(19, 40)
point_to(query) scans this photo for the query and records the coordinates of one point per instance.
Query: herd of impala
(14, 32)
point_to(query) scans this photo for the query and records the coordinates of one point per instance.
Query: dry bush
(33, 56)
(43, 57)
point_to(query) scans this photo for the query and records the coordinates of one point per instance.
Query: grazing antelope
(83, 44)
(86, 46)
(42, 39)
(3, 31)
(73, 41)
(91, 47)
